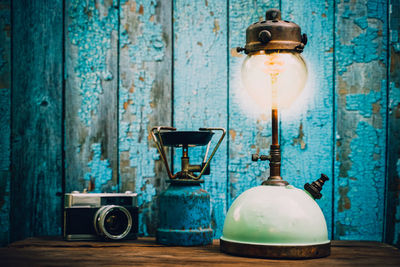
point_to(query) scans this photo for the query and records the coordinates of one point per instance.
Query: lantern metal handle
(160, 146)
(161, 150)
(208, 147)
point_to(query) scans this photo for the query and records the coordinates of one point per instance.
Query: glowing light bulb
(274, 80)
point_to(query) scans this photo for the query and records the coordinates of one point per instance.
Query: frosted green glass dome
(276, 216)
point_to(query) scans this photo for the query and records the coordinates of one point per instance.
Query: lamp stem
(275, 138)
(275, 154)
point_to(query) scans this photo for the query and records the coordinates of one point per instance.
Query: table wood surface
(51, 251)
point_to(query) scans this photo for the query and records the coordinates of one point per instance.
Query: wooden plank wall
(36, 111)
(5, 102)
(361, 106)
(97, 75)
(144, 100)
(200, 82)
(306, 128)
(91, 95)
(392, 233)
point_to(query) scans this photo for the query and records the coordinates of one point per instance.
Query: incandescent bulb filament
(274, 80)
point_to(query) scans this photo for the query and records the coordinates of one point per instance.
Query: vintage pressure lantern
(184, 208)
(275, 220)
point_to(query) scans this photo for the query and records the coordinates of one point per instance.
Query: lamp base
(276, 252)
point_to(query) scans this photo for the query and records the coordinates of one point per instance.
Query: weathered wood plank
(5, 105)
(360, 56)
(5, 207)
(144, 100)
(249, 129)
(36, 118)
(200, 88)
(91, 37)
(307, 126)
(393, 166)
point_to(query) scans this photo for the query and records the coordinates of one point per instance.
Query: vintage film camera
(100, 216)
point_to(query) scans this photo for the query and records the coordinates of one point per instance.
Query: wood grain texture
(144, 101)
(393, 163)
(5, 102)
(307, 126)
(144, 252)
(249, 129)
(200, 88)
(36, 118)
(361, 62)
(5, 207)
(91, 151)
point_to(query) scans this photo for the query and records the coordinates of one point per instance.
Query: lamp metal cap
(274, 34)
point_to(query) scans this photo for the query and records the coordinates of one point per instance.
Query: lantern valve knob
(256, 157)
(240, 49)
(315, 187)
(264, 36)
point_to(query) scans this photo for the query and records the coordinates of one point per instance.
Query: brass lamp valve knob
(264, 36)
(256, 157)
(315, 187)
(240, 49)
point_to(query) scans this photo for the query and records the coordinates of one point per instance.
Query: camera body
(100, 216)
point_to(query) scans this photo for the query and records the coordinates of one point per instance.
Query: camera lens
(113, 222)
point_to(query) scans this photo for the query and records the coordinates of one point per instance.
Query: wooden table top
(51, 251)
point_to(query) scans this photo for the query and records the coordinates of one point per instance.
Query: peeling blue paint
(100, 171)
(5, 85)
(361, 62)
(361, 22)
(5, 38)
(2, 60)
(306, 129)
(362, 102)
(141, 157)
(355, 182)
(394, 37)
(363, 49)
(366, 49)
(200, 82)
(5, 119)
(376, 9)
(138, 49)
(91, 30)
(368, 45)
(148, 191)
(150, 45)
(394, 40)
(347, 13)
(393, 192)
(146, 195)
(4, 129)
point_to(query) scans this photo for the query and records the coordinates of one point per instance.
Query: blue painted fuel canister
(184, 208)
(184, 215)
